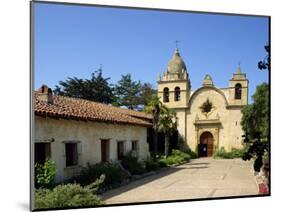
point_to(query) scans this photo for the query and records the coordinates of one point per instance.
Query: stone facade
(206, 109)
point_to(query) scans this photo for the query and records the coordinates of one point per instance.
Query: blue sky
(75, 40)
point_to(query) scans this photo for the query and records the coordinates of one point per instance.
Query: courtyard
(201, 178)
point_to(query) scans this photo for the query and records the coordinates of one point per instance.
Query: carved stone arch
(204, 131)
(193, 96)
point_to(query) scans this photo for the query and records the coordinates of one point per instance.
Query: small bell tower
(238, 89)
(174, 84)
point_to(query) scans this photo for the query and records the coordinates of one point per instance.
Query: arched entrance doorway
(206, 145)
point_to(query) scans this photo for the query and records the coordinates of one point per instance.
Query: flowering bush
(45, 174)
(69, 195)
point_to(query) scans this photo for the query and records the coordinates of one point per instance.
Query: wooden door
(210, 146)
(104, 150)
(206, 142)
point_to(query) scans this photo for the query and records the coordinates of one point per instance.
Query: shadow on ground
(143, 181)
(140, 182)
(199, 167)
(196, 164)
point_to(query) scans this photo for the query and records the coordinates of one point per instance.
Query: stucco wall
(244, 94)
(181, 119)
(226, 134)
(184, 93)
(219, 109)
(88, 134)
(235, 131)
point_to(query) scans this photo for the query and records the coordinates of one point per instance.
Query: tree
(95, 89)
(255, 118)
(153, 107)
(265, 63)
(72, 87)
(167, 123)
(255, 123)
(127, 92)
(147, 93)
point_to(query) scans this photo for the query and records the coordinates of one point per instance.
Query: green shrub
(237, 153)
(191, 153)
(131, 163)
(181, 154)
(69, 195)
(176, 157)
(45, 174)
(162, 164)
(153, 165)
(220, 153)
(234, 153)
(114, 175)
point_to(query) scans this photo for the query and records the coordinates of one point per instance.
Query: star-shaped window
(206, 106)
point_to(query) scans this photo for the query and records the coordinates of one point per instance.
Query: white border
(14, 105)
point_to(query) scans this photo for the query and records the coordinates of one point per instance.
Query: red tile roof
(79, 109)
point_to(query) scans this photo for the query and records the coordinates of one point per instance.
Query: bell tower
(238, 89)
(174, 84)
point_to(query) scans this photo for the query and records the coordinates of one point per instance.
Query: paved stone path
(201, 178)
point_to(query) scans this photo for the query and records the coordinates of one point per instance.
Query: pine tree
(128, 92)
(97, 88)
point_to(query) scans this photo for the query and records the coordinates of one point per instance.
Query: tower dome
(176, 65)
(176, 69)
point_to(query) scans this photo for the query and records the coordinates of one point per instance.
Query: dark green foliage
(147, 93)
(258, 164)
(153, 165)
(191, 153)
(265, 63)
(257, 149)
(127, 92)
(168, 125)
(95, 89)
(45, 174)
(234, 153)
(162, 164)
(176, 157)
(255, 120)
(114, 175)
(154, 107)
(69, 195)
(131, 163)
(255, 123)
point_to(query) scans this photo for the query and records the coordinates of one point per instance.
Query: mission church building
(208, 117)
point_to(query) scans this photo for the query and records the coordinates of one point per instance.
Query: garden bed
(234, 153)
(150, 167)
(114, 175)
